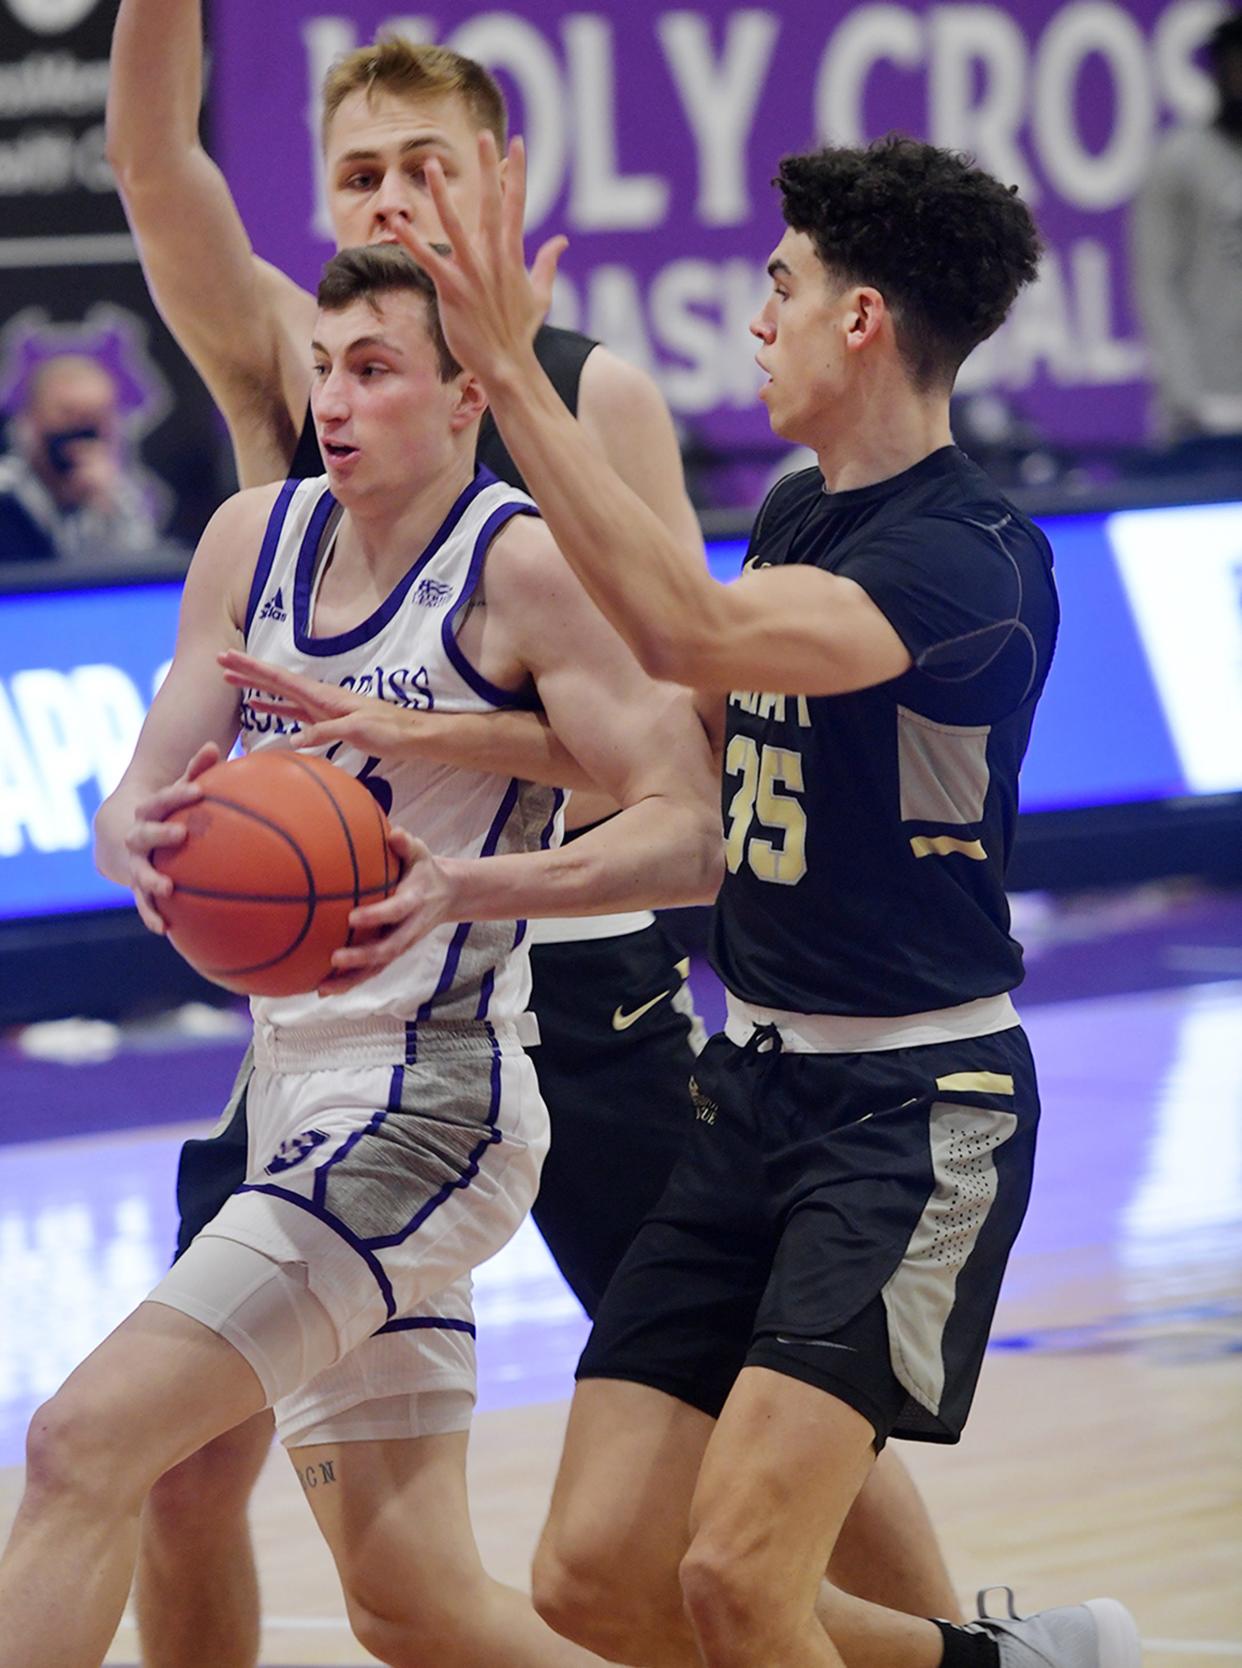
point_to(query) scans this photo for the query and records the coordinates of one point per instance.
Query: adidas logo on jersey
(274, 608)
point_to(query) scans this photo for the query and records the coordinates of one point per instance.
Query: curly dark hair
(1225, 39)
(948, 246)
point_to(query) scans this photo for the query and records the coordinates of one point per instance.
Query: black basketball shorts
(213, 1167)
(844, 1219)
(613, 1066)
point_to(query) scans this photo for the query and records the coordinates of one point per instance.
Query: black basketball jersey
(562, 353)
(867, 834)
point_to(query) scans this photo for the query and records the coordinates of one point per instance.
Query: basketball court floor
(1105, 1451)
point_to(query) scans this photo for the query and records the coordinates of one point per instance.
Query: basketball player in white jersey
(197, 1600)
(396, 1129)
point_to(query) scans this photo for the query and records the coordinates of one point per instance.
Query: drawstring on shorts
(761, 1051)
(764, 1039)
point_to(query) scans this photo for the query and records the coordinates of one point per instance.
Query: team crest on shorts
(705, 1109)
(294, 1150)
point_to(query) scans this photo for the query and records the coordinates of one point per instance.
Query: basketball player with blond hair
(396, 1130)
(612, 1063)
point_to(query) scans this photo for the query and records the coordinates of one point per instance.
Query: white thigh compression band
(263, 1308)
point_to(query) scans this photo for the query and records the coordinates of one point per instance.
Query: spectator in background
(66, 491)
(1187, 261)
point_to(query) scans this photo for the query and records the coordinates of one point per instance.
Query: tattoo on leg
(318, 1476)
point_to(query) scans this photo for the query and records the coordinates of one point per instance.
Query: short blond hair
(406, 69)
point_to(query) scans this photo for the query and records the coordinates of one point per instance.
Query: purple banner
(653, 135)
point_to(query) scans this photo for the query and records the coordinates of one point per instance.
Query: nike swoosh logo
(622, 1022)
(815, 1343)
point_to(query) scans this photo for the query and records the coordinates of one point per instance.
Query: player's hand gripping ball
(278, 851)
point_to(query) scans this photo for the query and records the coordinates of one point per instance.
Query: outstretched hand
(326, 712)
(490, 304)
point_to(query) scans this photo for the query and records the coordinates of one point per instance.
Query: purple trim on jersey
(347, 1146)
(489, 691)
(558, 799)
(422, 1323)
(267, 551)
(375, 622)
(304, 566)
(338, 1227)
(486, 987)
(411, 1043)
(449, 971)
(456, 946)
(491, 1139)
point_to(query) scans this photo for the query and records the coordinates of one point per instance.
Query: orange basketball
(280, 848)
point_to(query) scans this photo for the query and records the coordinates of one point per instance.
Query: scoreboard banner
(653, 132)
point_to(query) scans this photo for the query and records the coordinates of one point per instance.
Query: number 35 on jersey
(766, 818)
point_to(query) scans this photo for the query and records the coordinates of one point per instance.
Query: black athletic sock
(964, 1648)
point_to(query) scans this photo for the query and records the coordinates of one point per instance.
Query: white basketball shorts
(385, 1162)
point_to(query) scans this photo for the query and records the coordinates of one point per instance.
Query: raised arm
(244, 325)
(193, 718)
(797, 629)
(801, 631)
(505, 743)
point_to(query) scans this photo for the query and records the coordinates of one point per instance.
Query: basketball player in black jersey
(608, 1048)
(821, 1272)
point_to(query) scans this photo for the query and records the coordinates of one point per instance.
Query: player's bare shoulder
(605, 373)
(535, 610)
(224, 562)
(242, 515)
(616, 400)
(622, 409)
(525, 570)
(522, 544)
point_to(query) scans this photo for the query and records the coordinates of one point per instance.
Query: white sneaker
(1098, 1634)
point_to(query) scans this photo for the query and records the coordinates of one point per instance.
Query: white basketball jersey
(407, 653)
